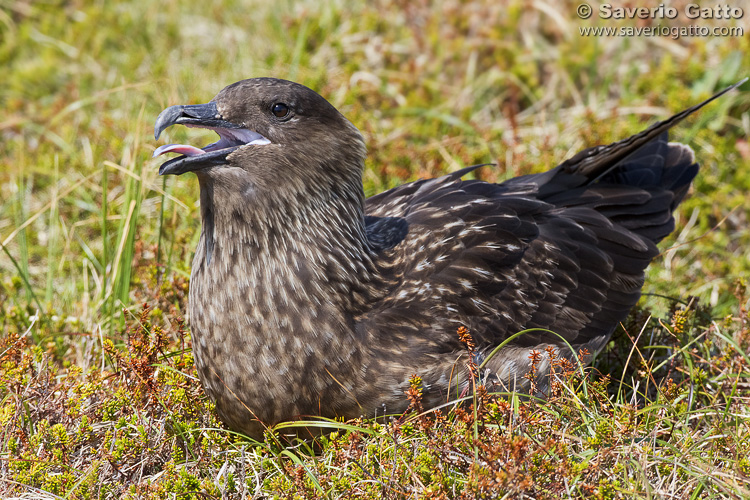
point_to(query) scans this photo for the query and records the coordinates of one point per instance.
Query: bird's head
(271, 133)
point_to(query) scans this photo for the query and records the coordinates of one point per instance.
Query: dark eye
(280, 110)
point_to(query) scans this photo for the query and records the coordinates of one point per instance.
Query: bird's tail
(636, 182)
(650, 183)
(594, 163)
(645, 160)
(639, 194)
(660, 164)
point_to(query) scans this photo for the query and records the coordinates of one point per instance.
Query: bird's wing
(497, 262)
(563, 250)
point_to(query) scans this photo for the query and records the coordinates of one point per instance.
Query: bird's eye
(280, 110)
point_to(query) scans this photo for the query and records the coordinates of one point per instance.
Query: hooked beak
(232, 137)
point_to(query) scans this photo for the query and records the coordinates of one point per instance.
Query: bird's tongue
(178, 148)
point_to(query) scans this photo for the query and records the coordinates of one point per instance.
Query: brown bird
(307, 299)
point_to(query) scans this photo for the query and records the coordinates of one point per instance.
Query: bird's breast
(268, 329)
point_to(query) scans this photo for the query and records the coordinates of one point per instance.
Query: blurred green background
(432, 85)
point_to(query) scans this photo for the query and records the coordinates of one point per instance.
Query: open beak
(231, 138)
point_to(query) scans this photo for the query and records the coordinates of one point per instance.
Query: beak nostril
(206, 111)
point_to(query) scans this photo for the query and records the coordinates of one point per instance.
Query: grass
(99, 393)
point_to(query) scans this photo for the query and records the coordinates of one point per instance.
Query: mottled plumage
(306, 299)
